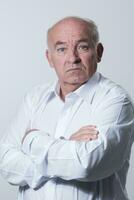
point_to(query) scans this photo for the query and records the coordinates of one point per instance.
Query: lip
(74, 69)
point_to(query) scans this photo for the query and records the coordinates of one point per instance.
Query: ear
(48, 56)
(100, 50)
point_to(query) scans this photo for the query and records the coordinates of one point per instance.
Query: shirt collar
(52, 90)
(88, 90)
(85, 91)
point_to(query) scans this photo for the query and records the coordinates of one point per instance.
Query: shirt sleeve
(15, 166)
(93, 160)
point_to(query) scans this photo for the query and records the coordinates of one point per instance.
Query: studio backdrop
(23, 27)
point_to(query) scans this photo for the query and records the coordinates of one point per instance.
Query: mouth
(74, 69)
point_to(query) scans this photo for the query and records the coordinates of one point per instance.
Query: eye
(83, 47)
(61, 49)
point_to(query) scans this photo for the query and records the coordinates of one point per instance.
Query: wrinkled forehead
(69, 31)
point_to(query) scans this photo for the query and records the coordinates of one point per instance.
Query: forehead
(69, 31)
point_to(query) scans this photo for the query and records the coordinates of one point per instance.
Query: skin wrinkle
(74, 58)
(74, 65)
(92, 28)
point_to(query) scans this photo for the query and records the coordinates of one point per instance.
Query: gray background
(23, 25)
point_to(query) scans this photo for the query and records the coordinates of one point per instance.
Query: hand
(85, 133)
(27, 132)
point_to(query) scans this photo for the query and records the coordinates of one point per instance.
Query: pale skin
(74, 58)
(85, 133)
(72, 55)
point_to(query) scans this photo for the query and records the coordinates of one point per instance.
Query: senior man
(71, 139)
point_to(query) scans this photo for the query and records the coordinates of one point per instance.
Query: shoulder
(112, 103)
(110, 93)
(110, 89)
(38, 92)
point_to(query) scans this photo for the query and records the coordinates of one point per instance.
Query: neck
(67, 88)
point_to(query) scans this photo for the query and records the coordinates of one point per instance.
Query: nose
(73, 57)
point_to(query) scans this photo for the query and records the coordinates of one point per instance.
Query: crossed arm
(86, 156)
(85, 133)
(17, 166)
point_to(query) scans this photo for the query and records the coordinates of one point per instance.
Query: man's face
(71, 53)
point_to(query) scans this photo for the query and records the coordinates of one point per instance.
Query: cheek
(58, 61)
(88, 60)
(58, 67)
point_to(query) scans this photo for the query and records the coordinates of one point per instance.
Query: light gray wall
(23, 25)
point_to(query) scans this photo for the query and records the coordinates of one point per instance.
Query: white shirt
(48, 166)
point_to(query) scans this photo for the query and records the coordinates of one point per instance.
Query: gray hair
(93, 29)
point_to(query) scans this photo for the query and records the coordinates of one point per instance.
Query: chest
(63, 119)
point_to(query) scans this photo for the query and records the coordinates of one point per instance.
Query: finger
(88, 130)
(89, 137)
(93, 137)
(89, 127)
(84, 137)
(85, 131)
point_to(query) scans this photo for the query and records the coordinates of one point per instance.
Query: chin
(77, 81)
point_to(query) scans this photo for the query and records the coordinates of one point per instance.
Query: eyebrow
(59, 43)
(83, 40)
(63, 43)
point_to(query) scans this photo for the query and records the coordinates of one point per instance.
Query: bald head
(73, 51)
(88, 25)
